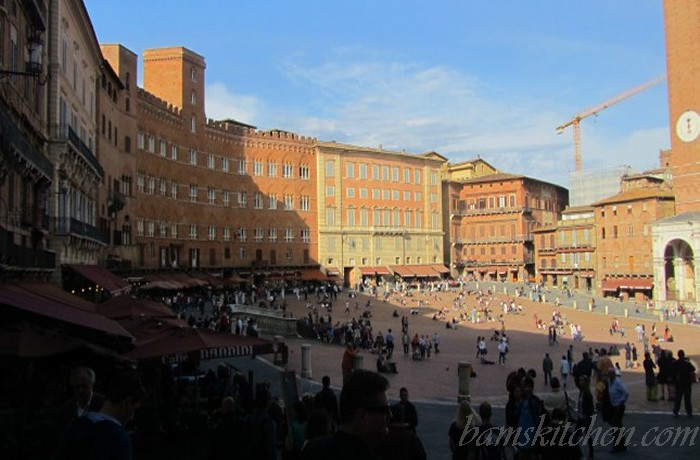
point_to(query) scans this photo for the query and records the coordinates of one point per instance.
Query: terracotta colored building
(676, 239)
(624, 240)
(492, 221)
(215, 195)
(379, 213)
(566, 253)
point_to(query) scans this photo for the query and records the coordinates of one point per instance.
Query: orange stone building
(624, 242)
(492, 219)
(215, 195)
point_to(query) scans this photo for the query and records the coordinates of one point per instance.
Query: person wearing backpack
(101, 435)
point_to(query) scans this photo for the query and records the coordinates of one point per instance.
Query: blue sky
(463, 78)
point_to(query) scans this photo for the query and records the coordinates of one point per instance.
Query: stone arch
(679, 271)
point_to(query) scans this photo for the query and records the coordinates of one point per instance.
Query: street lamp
(35, 52)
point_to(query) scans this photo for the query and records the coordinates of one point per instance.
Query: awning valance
(367, 271)
(610, 285)
(440, 269)
(381, 270)
(332, 271)
(404, 271)
(636, 284)
(102, 277)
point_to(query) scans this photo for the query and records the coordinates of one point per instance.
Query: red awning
(637, 284)
(440, 269)
(424, 271)
(367, 271)
(102, 277)
(381, 270)
(610, 284)
(28, 298)
(332, 271)
(312, 274)
(178, 344)
(125, 306)
(404, 271)
(502, 272)
(586, 274)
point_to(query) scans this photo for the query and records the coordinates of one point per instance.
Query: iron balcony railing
(11, 136)
(65, 133)
(18, 256)
(70, 225)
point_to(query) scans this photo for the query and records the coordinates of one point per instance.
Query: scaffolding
(587, 187)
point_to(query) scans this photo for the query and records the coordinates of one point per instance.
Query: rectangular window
(351, 192)
(376, 194)
(433, 197)
(163, 230)
(151, 229)
(258, 234)
(211, 163)
(385, 173)
(351, 217)
(163, 148)
(433, 177)
(407, 196)
(224, 164)
(173, 190)
(242, 199)
(141, 141)
(385, 194)
(193, 157)
(271, 169)
(288, 171)
(330, 166)
(364, 217)
(211, 195)
(363, 193)
(330, 217)
(193, 231)
(257, 168)
(272, 235)
(305, 235)
(258, 200)
(406, 176)
(416, 176)
(163, 186)
(395, 174)
(193, 193)
(173, 152)
(350, 170)
(226, 198)
(363, 171)
(330, 191)
(272, 201)
(630, 230)
(288, 235)
(418, 196)
(375, 172)
(139, 227)
(304, 172)
(211, 233)
(151, 144)
(151, 185)
(242, 234)
(305, 203)
(241, 166)
(501, 201)
(227, 234)
(289, 202)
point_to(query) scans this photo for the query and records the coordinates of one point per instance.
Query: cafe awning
(367, 271)
(102, 277)
(332, 271)
(404, 271)
(610, 285)
(637, 284)
(382, 270)
(440, 269)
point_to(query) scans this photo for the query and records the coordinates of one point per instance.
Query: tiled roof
(636, 194)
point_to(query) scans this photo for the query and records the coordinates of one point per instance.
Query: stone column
(464, 373)
(305, 361)
(679, 274)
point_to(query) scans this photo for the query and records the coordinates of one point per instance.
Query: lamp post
(35, 52)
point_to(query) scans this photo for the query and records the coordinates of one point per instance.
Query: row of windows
(629, 209)
(381, 194)
(616, 233)
(153, 229)
(240, 166)
(567, 238)
(380, 172)
(490, 202)
(382, 218)
(492, 250)
(165, 187)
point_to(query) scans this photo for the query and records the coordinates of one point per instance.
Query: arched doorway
(679, 271)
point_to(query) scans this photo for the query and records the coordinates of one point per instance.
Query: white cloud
(417, 108)
(221, 103)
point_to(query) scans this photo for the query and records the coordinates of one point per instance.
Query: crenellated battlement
(159, 103)
(235, 127)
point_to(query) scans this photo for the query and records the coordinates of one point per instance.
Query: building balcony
(545, 251)
(489, 211)
(31, 156)
(584, 247)
(71, 226)
(13, 255)
(63, 132)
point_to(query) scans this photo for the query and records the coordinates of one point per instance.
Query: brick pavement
(436, 379)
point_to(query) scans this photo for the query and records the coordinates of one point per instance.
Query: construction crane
(576, 121)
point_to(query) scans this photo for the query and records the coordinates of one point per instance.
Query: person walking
(683, 371)
(502, 350)
(564, 368)
(348, 362)
(547, 368)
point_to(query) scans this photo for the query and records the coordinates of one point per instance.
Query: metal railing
(65, 133)
(70, 225)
